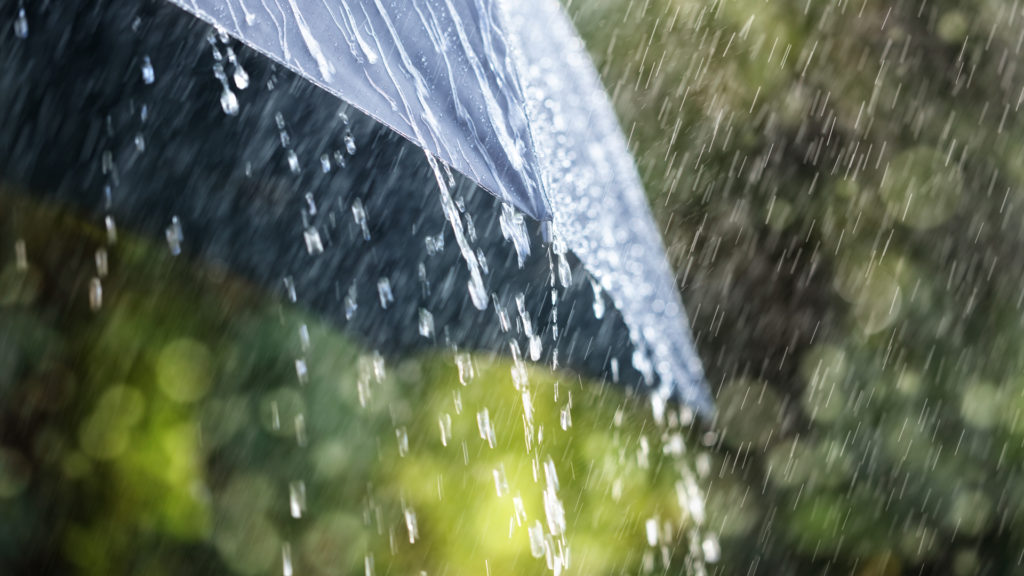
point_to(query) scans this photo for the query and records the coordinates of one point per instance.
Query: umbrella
(254, 162)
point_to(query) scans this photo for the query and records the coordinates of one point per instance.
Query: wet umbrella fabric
(516, 108)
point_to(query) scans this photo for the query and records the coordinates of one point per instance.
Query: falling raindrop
(513, 227)
(444, 422)
(140, 142)
(565, 417)
(174, 236)
(434, 244)
(483, 423)
(95, 294)
(314, 245)
(536, 347)
(651, 527)
(300, 430)
(21, 24)
(359, 214)
(712, 550)
(402, 436)
(111, 227)
(350, 145)
(411, 524)
(599, 307)
(20, 255)
(289, 288)
(564, 271)
(229, 102)
(302, 370)
(339, 158)
(148, 74)
(464, 364)
(351, 305)
(286, 559)
(240, 76)
(537, 544)
(297, 498)
(384, 292)
(102, 265)
(293, 162)
(426, 323)
(500, 481)
(275, 416)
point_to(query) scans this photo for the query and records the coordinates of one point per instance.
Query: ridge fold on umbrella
(439, 73)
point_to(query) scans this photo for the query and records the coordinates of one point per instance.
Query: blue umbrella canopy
(502, 92)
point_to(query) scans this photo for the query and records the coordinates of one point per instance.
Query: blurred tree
(839, 185)
(170, 419)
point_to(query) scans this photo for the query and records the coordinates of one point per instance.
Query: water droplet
(537, 544)
(351, 305)
(477, 291)
(286, 559)
(21, 24)
(444, 422)
(302, 370)
(229, 102)
(564, 271)
(651, 527)
(434, 244)
(350, 145)
(111, 227)
(500, 481)
(411, 524)
(339, 158)
(20, 255)
(297, 498)
(95, 294)
(289, 288)
(711, 549)
(402, 436)
(426, 323)
(174, 236)
(536, 348)
(241, 77)
(325, 163)
(293, 162)
(275, 416)
(140, 142)
(314, 245)
(384, 292)
(599, 307)
(483, 424)
(520, 510)
(300, 430)
(148, 74)
(464, 363)
(359, 214)
(304, 337)
(513, 227)
(102, 265)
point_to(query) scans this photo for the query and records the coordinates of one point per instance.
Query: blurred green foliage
(840, 187)
(185, 423)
